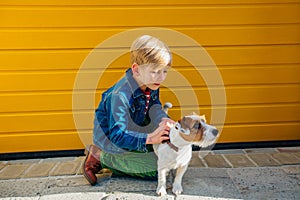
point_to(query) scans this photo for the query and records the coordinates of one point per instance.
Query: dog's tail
(167, 106)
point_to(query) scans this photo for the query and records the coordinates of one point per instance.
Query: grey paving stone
(22, 187)
(129, 196)
(209, 183)
(197, 197)
(39, 169)
(20, 198)
(286, 158)
(68, 181)
(216, 161)
(13, 171)
(75, 196)
(263, 160)
(266, 181)
(239, 161)
(70, 184)
(271, 194)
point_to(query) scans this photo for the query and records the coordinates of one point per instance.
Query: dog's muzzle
(210, 134)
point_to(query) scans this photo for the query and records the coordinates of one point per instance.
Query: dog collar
(172, 146)
(177, 128)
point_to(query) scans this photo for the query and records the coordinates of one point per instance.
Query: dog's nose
(215, 132)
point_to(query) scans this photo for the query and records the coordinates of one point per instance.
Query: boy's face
(149, 76)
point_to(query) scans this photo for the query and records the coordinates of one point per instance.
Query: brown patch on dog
(191, 124)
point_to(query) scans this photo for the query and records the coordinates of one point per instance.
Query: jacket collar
(135, 89)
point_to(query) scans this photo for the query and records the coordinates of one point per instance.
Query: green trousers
(135, 164)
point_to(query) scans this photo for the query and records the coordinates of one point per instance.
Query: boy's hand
(159, 135)
(167, 121)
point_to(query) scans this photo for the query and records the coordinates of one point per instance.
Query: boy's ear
(135, 68)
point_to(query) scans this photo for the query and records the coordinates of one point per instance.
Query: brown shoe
(92, 164)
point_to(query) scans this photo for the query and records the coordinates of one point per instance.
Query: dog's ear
(187, 121)
(203, 118)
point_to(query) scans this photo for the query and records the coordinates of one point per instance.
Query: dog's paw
(161, 191)
(177, 189)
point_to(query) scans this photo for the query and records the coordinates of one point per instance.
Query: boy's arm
(118, 120)
(156, 112)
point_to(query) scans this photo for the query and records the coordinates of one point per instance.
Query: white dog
(177, 153)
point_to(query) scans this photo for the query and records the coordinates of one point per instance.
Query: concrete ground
(266, 173)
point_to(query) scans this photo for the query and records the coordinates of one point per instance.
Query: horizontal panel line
(146, 6)
(253, 124)
(153, 25)
(44, 132)
(123, 28)
(41, 113)
(227, 86)
(241, 66)
(89, 111)
(253, 86)
(252, 105)
(120, 68)
(87, 131)
(127, 48)
(262, 123)
(144, 3)
(247, 46)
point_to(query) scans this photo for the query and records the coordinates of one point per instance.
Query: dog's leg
(161, 187)
(177, 188)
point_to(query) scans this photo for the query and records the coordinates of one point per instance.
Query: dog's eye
(197, 125)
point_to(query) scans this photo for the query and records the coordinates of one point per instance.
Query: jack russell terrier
(177, 152)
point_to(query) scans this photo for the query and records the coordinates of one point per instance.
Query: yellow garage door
(255, 45)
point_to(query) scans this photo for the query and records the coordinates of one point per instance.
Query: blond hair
(150, 50)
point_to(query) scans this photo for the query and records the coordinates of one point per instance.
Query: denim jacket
(121, 123)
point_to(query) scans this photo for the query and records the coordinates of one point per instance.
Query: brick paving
(217, 161)
(263, 160)
(239, 160)
(270, 173)
(275, 157)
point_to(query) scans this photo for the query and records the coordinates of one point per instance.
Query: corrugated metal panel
(254, 43)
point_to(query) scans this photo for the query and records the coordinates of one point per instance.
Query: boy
(129, 118)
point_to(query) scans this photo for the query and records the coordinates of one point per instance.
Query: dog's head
(195, 130)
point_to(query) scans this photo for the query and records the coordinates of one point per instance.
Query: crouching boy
(129, 118)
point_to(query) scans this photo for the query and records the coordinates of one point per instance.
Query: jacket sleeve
(118, 120)
(156, 112)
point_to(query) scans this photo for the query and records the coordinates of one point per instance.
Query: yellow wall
(254, 43)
